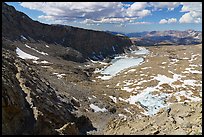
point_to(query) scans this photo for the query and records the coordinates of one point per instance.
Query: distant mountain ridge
(175, 33)
(168, 37)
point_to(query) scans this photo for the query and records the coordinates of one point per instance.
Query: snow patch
(104, 77)
(127, 89)
(128, 111)
(59, 75)
(174, 60)
(118, 84)
(113, 98)
(97, 109)
(24, 55)
(122, 115)
(164, 79)
(47, 46)
(190, 82)
(186, 58)
(46, 67)
(146, 68)
(187, 94)
(144, 81)
(113, 48)
(93, 96)
(43, 53)
(192, 71)
(131, 70)
(43, 62)
(23, 37)
(150, 103)
(141, 51)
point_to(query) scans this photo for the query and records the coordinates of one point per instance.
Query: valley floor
(169, 77)
(162, 95)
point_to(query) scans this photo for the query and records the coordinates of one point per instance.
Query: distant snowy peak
(120, 35)
(169, 37)
(174, 33)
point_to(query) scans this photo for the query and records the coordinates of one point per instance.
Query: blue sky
(123, 17)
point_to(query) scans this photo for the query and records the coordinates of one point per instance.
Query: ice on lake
(123, 62)
(120, 65)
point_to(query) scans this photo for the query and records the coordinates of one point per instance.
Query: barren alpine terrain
(169, 80)
(160, 95)
(62, 80)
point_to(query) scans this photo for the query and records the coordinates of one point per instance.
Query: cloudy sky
(117, 16)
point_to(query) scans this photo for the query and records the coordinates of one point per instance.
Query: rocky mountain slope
(96, 45)
(32, 105)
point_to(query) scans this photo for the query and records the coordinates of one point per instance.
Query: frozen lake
(120, 63)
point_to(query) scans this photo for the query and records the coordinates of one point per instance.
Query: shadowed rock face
(30, 105)
(88, 42)
(17, 116)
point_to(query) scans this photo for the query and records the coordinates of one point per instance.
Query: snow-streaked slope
(43, 53)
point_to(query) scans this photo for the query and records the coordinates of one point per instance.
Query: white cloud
(138, 6)
(161, 5)
(194, 12)
(141, 23)
(186, 18)
(191, 6)
(144, 13)
(89, 12)
(172, 20)
(77, 10)
(165, 21)
(108, 20)
(46, 17)
(138, 9)
(111, 12)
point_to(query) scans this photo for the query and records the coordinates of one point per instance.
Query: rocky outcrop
(30, 104)
(179, 119)
(17, 116)
(91, 44)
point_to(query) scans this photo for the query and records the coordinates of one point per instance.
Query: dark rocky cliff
(31, 105)
(92, 44)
